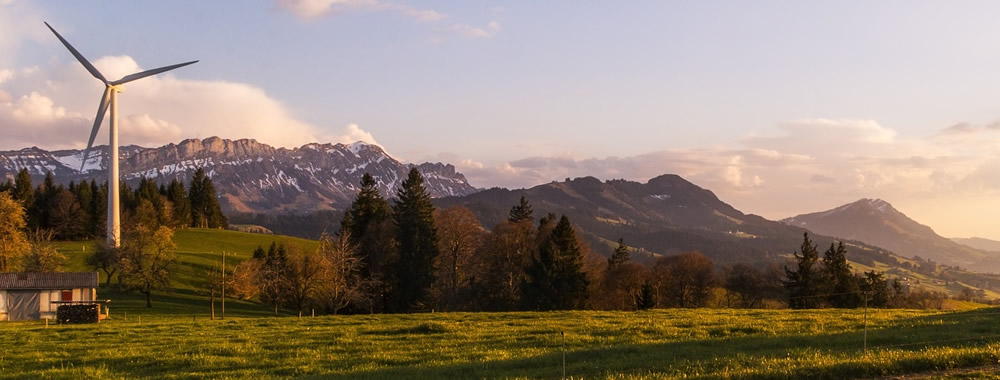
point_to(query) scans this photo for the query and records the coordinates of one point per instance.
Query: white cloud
(309, 10)
(56, 108)
(473, 32)
(353, 133)
(6, 75)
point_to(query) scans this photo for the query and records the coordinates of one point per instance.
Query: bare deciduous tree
(343, 283)
(459, 236)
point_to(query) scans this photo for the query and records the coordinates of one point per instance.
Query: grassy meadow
(176, 339)
(700, 343)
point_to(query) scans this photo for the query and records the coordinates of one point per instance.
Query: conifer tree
(803, 283)
(178, 197)
(646, 299)
(216, 219)
(416, 237)
(205, 209)
(620, 256)
(24, 193)
(555, 277)
(368, 225)
(842, 285)
(520, 212)
(148, 191)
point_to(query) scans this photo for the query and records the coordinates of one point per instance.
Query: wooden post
(212, 301)
(866, 324)
(564, 353)
(223, 284)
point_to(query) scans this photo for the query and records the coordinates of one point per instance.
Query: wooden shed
(30, 296)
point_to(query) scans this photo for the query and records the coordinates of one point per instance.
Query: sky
(779, 107)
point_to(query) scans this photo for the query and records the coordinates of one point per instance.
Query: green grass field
(176, 339)
(703, 343)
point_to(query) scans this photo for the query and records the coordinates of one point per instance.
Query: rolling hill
(876, 222)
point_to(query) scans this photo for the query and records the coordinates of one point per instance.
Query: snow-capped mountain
(249, 176)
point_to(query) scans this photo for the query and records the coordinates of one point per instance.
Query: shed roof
(48, 280)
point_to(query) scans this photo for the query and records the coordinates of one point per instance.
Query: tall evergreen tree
(148, 191)
(178, 197)
(620, 256)
(840, 282)
(416, 236)
(196, 193)
(205, 209)
(98, 208)
(24, 193)
(520, 212)
(555, 277)
(367, 224)
(213, 210)
(803, 284)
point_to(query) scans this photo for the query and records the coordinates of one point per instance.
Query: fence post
(563, 353)
(866, 324)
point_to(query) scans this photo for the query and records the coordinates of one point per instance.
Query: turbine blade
(101, 109)
(79, 57)
(140, 75)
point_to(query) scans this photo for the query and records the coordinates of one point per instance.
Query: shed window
(67, 295)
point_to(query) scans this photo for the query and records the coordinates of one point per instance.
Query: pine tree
(803, 284)
(213, 211)
(178, 197)
(555, 277)
(24, 193)
(196, 192)
(148, 191)
(416, 236)
(84, 197)
(646, 299)
(841, 283)
(205, 209)
(365, 224)
(259, 253)
(620, 256)
(98, 208)
(520, 212)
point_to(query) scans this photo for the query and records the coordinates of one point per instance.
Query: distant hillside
(666, 215)
(876, 222)
(979, 243)
(249, 176)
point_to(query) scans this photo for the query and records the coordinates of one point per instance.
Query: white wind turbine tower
(110, 98)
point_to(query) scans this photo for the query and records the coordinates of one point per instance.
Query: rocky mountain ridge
(249, 176)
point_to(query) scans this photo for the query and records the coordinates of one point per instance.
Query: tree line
(403, 255)
(79, 210)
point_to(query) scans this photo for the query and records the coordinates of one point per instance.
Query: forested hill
(666, 215)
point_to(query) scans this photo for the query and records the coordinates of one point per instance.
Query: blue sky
(780, 107)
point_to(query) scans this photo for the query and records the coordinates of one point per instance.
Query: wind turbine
(110, 98)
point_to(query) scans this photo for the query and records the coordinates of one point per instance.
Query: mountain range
(249, 176)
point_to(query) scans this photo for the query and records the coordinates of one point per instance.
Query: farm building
(30, 296)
